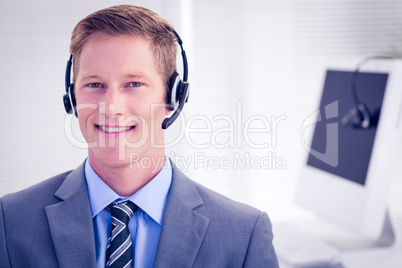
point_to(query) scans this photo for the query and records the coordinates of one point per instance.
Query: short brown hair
(129, 20)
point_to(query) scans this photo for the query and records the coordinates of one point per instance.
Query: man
(115, 210)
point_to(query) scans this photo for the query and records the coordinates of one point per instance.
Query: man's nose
(114, 101)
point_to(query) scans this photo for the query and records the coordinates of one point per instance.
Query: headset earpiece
(173, 91)
(69, 98)
(69, 101)
(183, 92)
(357, 117)
(67, 104)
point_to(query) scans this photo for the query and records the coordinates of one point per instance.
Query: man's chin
(111, 157)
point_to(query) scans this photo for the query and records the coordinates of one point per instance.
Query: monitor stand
(386, 251)
(339, 245)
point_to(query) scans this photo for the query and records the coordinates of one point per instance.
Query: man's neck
(127, 179)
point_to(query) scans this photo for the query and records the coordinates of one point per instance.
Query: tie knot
(121, 213)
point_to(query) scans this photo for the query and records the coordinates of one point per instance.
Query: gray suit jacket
(50, 225)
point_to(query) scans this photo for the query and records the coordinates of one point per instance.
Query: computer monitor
(348, 170)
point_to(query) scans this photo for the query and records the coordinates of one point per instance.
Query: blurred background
(255, 64)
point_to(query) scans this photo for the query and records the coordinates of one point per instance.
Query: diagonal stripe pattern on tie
(119, 252)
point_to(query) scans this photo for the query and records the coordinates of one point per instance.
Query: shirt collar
(151, 198)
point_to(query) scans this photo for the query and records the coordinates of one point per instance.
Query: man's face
(120, 100)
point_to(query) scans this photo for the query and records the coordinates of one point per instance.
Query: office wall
(253, 64)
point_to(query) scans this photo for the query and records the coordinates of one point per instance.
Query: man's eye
(94, 85)
(135, 84)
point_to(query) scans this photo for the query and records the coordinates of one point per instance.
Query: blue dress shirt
(146, 223)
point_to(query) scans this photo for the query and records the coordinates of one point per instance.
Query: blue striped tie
(119, 252)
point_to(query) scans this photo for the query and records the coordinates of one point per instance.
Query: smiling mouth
(114, 129)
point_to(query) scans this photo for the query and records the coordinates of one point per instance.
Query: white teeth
(114, 129)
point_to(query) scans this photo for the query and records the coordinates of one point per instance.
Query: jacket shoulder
(36, 194)
(213, 205)
(238, 235)
(226, 207)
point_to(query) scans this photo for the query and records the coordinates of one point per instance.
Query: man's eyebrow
(90, 76)
(131, 76)
(139, 75)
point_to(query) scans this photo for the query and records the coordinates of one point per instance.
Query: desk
(355, 252)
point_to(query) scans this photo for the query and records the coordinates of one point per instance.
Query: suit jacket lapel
(70, 223)
(183, 229)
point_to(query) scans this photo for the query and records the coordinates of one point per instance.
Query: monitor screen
(354, 144)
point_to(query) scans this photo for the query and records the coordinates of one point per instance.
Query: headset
(177, 95)
(359, 116)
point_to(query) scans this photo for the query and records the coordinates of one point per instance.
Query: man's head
(134, 21)
(123, 59)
